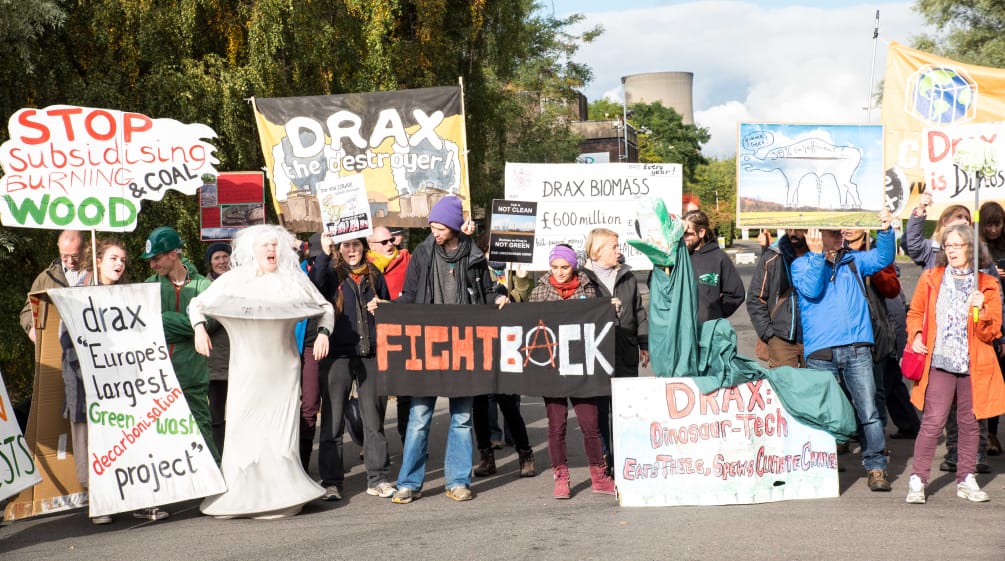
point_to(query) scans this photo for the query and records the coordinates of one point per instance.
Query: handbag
(912, 364)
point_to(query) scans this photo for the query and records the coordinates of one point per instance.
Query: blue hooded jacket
(832, 303)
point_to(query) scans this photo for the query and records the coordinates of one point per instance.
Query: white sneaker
(382, 490)
(915, 490)
(968, 489)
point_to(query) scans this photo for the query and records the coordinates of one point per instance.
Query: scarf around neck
(449, 280)
(380, 260)
(565, 289)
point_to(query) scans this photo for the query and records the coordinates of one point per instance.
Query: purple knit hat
(564, 253)
(448, 211)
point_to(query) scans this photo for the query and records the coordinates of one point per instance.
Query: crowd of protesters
(809, 303)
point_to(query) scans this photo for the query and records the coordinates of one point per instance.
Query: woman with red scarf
(565, 282)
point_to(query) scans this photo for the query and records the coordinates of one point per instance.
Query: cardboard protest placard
(806, 176)
(144, 446)
(47, 434)
(511, 239)
(90, 169)
(345, 211)
(409, 147)
(233, 202)
(576, 198)
(533, 348)
(674, 446)
(17, 469)
(923, 91)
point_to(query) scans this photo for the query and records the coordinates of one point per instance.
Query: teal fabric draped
(679, 347)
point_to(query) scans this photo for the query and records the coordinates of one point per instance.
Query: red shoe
(602, 483)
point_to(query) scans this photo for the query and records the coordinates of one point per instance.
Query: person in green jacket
(180, 283)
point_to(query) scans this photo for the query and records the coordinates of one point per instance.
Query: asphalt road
(513, 518)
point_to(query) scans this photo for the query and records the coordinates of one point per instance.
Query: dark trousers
(310, 403)
(510, 406)
(218, 411)
(402, 404)
(336, 383)
(898, 400)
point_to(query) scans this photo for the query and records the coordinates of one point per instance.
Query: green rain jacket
(190, 367)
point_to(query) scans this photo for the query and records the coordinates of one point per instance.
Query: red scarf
(565, 289)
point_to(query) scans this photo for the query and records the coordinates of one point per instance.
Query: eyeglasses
(954, 245)
(385, 242)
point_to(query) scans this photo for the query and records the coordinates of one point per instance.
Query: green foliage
(24, 254)
(200, 61)
(603, 109)
(668, 139)
(967, 30)
(715, 184)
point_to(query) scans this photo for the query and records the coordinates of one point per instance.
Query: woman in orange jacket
(961, 317)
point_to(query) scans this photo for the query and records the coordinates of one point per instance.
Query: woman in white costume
(259, 301)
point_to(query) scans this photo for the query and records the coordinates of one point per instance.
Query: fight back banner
(144, 446)
(539, 348)
(675, 446)
(409, 147)
(922, 92)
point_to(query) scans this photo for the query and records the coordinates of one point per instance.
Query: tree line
(198, 61)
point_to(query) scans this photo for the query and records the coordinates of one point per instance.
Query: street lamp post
(624, 107)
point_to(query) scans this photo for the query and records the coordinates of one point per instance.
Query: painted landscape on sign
(809, 175)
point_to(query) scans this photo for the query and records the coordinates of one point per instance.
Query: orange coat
(985, 376)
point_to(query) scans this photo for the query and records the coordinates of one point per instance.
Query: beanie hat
(216, 247)
(447, 211)
(564, 253)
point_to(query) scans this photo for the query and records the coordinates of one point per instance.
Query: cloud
(792, 64)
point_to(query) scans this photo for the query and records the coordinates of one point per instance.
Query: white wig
(244, 246)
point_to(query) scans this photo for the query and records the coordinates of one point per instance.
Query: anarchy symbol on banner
(549, 344)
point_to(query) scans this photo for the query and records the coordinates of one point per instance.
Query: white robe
(261, 459)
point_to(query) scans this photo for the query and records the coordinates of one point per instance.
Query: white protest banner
(675, 446)
(576, 198)
(89, 169)
(17, 470)
(960, 159)
(345, 211)
(144, 446)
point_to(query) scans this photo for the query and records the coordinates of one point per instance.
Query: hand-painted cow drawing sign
(812, 157)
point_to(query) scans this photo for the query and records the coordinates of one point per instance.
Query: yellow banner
(409, 147)
(923, 92)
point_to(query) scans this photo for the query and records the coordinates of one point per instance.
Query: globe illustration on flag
(942, 95)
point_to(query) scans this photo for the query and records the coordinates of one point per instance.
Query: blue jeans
(853, 367)
(457, 461)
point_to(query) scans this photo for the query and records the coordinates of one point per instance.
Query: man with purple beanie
(446, 268)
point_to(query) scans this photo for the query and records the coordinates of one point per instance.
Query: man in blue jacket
(837, 330)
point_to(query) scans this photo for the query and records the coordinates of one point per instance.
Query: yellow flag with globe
(939, 117)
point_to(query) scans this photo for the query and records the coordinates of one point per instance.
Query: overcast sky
(753, 61)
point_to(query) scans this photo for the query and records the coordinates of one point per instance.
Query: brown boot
(602, 483)
(561, 490)
(487, 465)
(527, 463)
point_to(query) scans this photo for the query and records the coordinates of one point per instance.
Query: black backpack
(883, 331)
